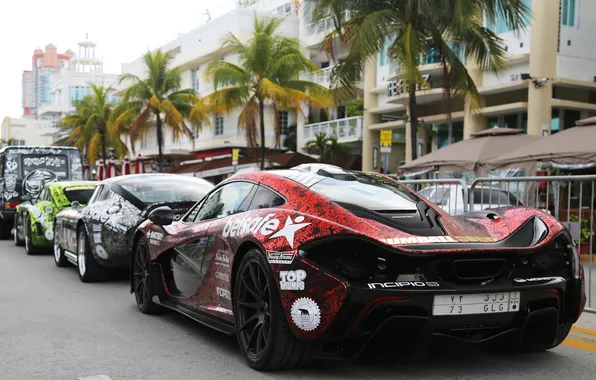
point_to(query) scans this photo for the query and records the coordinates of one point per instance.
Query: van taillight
(11, 204)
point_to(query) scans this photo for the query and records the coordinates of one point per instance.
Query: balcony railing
(346, 130)
(323, 76)
(323, 26)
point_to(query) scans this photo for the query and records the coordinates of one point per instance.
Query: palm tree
(336, 149)
(90, 127)
(159, 95)
(269, 70)
(413, 28)
(318, 145)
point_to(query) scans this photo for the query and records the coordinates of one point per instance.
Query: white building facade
(21, 131)
(73, 83)
(550, 83)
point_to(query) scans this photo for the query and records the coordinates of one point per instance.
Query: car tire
(29, 247)
(279, 347)
(142, 279)
(59, 258)
(17, 241)
(88, 269)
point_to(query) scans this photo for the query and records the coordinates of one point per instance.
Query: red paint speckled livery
(320, 261)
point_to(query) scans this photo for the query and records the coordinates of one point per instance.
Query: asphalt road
(52, 326)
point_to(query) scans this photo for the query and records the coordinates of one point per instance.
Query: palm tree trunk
(103, 145)
(159, 141)
(262, 121)
(413, 121)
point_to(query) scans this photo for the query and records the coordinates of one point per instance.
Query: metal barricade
(570, 199)
(449, 194)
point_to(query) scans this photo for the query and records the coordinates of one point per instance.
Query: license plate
(480, 303)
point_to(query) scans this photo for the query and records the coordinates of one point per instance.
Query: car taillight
(11, 204)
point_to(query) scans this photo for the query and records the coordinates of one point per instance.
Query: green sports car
(34, 219)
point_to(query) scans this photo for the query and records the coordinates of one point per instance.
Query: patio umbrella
(86, 171)
(112, 170)
(470, 154)
(126, 166)
(568, 148)
(101, 172)
(140, 165)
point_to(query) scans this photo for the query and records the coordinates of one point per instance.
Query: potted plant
(585, 232)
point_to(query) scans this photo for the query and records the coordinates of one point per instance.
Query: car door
(94, 215)
(201, 266)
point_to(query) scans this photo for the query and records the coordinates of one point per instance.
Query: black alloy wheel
(142, 279)
(254, 309)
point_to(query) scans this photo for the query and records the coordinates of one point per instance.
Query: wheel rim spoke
(250, 288)
(250, 305)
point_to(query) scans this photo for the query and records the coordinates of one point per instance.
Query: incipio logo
(385, 285)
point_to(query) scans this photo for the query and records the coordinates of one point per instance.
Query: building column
(370, 137)
(474, 121)
(409, 146)
(543, 63)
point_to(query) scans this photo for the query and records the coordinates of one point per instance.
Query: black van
(24, 170)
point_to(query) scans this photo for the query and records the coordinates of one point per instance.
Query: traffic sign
(386, 140)
(235, 153)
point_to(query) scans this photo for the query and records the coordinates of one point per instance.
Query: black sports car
(99, 237)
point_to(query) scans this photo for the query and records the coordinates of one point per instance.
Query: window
(265, 198)
(568, 12)
(369, 190)
(219, 124)
(164, 189)
(228, 200)
(96, 193)
(105, 191)
(194, 78)
(79, 194)
(283, 122)
(446, 135)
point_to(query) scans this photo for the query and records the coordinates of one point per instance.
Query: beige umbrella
(469, 155)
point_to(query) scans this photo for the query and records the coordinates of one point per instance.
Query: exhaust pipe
(540, 328)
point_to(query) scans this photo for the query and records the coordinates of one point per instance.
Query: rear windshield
(368, 190)
(37, 167)
(81, 195)
(166, 190)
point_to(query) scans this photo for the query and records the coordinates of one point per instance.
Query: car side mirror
(75, 205)
(161, 216)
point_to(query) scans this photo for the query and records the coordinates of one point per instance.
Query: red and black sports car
(331, 263)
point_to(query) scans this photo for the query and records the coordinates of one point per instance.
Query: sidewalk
(583, 333)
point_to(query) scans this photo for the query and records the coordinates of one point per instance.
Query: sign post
(235, 153)
(386, 140)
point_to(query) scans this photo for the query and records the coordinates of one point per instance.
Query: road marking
(95, 377)
(584, 339)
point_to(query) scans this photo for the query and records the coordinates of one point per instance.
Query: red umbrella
(86, 171)
(140, 165)
(101, 172)
(126, 166)
(112, 170)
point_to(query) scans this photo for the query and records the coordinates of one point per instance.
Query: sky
(122, 29)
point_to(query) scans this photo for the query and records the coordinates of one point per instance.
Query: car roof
(12, 147)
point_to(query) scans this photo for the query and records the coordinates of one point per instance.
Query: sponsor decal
(222, 276)
(280, 257)
(49, 234)
(97, 237)
(265, 226)
(221, 258)
(177, 217)
(96, 228)
(154, 237)
(223, 310)
(49, 209)
(224, 293)
(401, 284)
(537, 279)
(410, 277)
(438, 239)
(292, 279)
(101, 252)
(306, 314)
